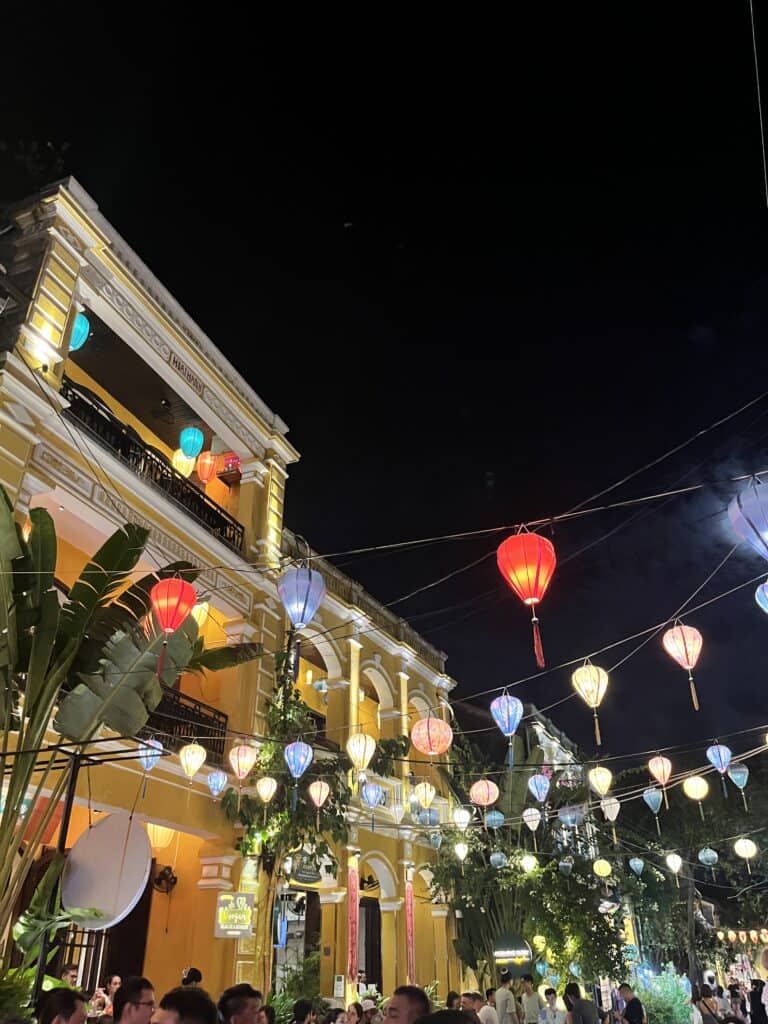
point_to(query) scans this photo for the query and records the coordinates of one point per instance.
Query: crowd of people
(133, 1001)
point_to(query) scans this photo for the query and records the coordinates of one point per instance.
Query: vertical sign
(353, 913)
(410, 947)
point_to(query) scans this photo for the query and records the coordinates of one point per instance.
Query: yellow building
(89, 433)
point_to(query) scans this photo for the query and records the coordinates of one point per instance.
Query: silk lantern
(602, 867)
(242, 758)
(565, 867)
(217, 780)
(192, 757)
(429, 817)
(431, 736)
(372, 795)
(653, 798)
(182, 463)
(696, 788)
(610, 807)
(498, 860)
(738, 773)
(591, 683)
(462, 818)
(461, 850)
(425, 793)
(81, 328)
(571, 817)
(191, 441)
(660, 768)
(600, 779)
(298, 757)
(494, 819)
(435, 840)
(748, 513)
(361, 747)
(160, 837)
(674, 863)
(507, 714)
(207, 463)
(720, 756)
(172, 600)
(708, 857)
(637, 864)
(745, 848)
(528, 863)
(301, 590)
(266, 787)
(538, 785)
(200, 613)
(319, 791)
(150, 751)
(532, 818)
(484, 792)
(683, 644)
(527, 563)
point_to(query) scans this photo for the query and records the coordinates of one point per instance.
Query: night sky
(483, 270)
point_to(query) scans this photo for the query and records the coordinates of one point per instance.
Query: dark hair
(549, 992)
(129, 992)
(192, 1005)
(451, 998)
(302, 1009)
(233, 1000)
(706, 992)
(108, 978)
(504, 977)
(626, 986)
(572, 993)
(269, 1013)
(469, 994)
(359, 1008)
(489, 992)
(67, 968)
(333, 1013)
(720, 991)
(527, 977)
(58, 1001)
(417, 997)
(190, 976)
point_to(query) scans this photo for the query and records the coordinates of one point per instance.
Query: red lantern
(172, 601)
(527, 562)
(206, 466)
(431, 735)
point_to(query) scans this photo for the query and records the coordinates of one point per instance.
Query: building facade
(88, 431)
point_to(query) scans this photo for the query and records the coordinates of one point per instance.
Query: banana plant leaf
(10, 552)
(219, 658)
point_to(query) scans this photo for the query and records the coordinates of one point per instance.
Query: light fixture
(425, 793)
(696, 788)
(591, 682)
(182, 463)
(461, 850)
(200, 613)
(159, 836)
(747, 849)
(600, 779)
(266, 787)
(191, 441)
(431, 736)
(528, 863)
(602, 868)
(674, 863)
(462, 818)
(217, 780)
(301, 590)
(192, 757)
(81, 328)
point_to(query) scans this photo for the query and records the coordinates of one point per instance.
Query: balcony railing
(93, 416)
(178, 720)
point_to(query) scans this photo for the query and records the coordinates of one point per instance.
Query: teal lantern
(494, 819)
(653, 798)
(435, 840)
(542, 967)
(498, 859)
(191, 441)
(738, 773)
(565, 867)
(81, 328)
(637, 864)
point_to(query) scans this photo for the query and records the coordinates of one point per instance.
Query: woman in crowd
(355, 1013)
(101, 1001)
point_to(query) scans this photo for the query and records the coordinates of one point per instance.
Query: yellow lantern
(361, 747)
(200, 613)
(720, 936)
(528, 863)
(745, 848)
(319, 791)
(732, 935)
(674, 863)
(159, 836)
(539, 942)
(425, 793)
(181, 463)
(602, 868)
(266, 787)
(600, 779)
(192, 757)
(591, 682)
(461, 850)
(696, 788)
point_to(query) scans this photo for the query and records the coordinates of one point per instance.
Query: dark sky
(483, 269)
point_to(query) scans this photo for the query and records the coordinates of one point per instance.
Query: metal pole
(66, 816)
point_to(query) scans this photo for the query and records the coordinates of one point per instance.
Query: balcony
(178, 720)
(93, 417)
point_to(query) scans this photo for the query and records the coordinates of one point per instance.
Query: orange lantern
(683, 643)
(172, 601)
(527, 562)
(661, 769)
(484, 792)
(206, 467)
(431, 736)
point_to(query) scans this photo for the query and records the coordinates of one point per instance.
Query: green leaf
(225, 657)
(43, 643)
(42, 550)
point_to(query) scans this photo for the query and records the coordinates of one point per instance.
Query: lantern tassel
(677, 880)
(535, 847)
(510, 754)
(701, 810)
(294, 798)
(725, 789)
(161, 661)
(615, 840)
(144, 787)
(598, 737)
(658, 826)
(317, 826)
(666, 798)
(744, 798)
(538, 650)
(694, 695)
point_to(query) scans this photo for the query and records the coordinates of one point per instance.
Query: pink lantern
(431, 736)
(683, 643)
(484, 792)
(242, 758)
(660, 768)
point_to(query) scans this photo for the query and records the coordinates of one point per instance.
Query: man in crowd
(531, 1000)
(68, 974)
(134, 1002)
(406, 1004)
(304, 1012)
(62, 1006)
(633, 1012)
(505, 1000)
(186, 1005)
(240, 1004)
(474, 1002)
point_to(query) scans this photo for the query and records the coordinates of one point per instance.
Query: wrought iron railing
(179, 719)
(93, 416)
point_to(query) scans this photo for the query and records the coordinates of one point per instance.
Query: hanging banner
(234, 915)
(410, 944)
(353, 913)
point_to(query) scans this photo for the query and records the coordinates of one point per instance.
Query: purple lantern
(372, 795)
(507, 714)
(748, 513)
(301, 590)
(298, 757)
(719, 756)
(217, 780)
(539, 787)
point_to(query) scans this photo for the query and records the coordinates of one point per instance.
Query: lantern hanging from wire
(461, 850)
(636, 865)
(494, 819)
(207, 464)
(217, 780)
(483, 792)
(319, 791)
(266, 787)
(431, 736)
(507, 713)
(683, 644)
(200, 614)
(527, 563)
(674, 863)
(191, 441)
(761, 596)
(372, 795)
(538, 786)
(738, 773)
(435, 840)
(150, 751)
(528, 863)
(532, 818)
(602, 868)
(192, 757)
(429, 817)
(498, 859)
(301, 590)
(81, 328)
(298, 757)
(708, 857)
(746, 849)
(242, 758)
(461, 818)
(600, 779)
(720, 756)
(591, 683)
(425, 793)
(610, 806)
(748, 514)
(360, 747)
(160, 836)
(653, 798)
(660, 768)
(182, 463)
(696, 788)
(565, 867)
(172, 601)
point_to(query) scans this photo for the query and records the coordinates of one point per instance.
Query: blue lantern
(571, 816)
(435, 840)
(761, 596)
(653, 798)
(301, 590)
(749, 517)
(298, 757)
(565, 866)
(217, 780)
(574, 969)
(507, 713)
(372, 795)
(498, 859)
(191, 441)
(539, 787)
(554, 979)
(150, 752)
(494, 819)
(637, 864)
(429, 818)
(708, 857)
(719, 756)
(738, 773)
(542, 967)
(81, 328)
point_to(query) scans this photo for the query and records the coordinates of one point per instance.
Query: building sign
(234, 915)
(186, 373)
(303, 871)
(513, 953)
(353, 919)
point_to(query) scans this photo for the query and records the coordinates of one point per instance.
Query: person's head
(336, 1015)
(452, 1001)
(266, 1015)
(706, 992)
(68, 974)
(355, 1013)
(625, 991)
(406, 1004)
(490, 994)
(112, 983)
(551, 996)
(572, 993)
(369, 1009)
(720, 992)
(62, 1006)
(467, 1000)
(304, 1011)
(191, 976)
(186, 1005)
(505, 979)
(239, 1004)
(134, 1002)
(527, 983)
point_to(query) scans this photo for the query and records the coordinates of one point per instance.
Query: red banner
(353, 913)
(410, 946)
